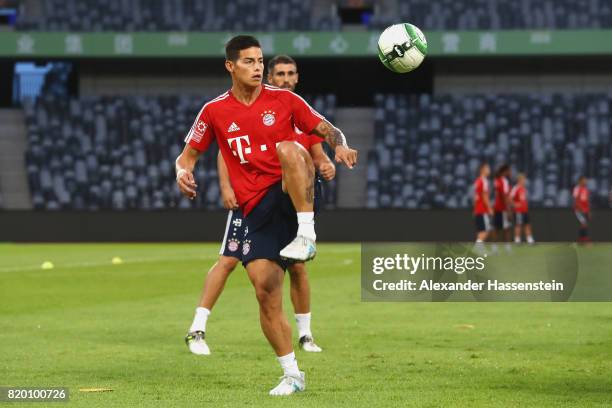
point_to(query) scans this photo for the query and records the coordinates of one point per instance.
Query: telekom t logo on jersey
(241, 149)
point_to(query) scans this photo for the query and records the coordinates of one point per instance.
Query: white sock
(306, 225)
(289, 364)
(199, 320)
(530, 239)
(517, 240)
(302, 321)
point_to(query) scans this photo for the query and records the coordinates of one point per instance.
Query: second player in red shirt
(522, 223)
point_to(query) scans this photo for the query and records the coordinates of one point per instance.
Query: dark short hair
(237, 44)
(280, 59)
(502, 169)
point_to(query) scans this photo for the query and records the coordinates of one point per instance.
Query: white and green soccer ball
(402, 47)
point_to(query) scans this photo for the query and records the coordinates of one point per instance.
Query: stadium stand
(427, 148)
(498, 14)
(118, 152)
(177, 15)
(284, 15)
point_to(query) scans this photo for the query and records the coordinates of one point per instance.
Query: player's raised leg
(267, 279)
(300, 298)
(298, 180)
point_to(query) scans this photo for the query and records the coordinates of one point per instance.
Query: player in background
(518, 194)
(582, 208)
(253, 125)
(282, 73)
(482, 206)
(502, 207)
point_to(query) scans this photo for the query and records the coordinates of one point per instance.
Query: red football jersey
(518, 195)
(481, 188)
(248, 135)
(502, 188)
(581, 199)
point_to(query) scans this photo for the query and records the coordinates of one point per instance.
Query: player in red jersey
(282, 72)
(502, 206)
(482, 206)
(518, 194)
(254, 128)
(582, 208)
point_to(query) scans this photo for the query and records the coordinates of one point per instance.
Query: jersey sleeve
(304, 116)
(479, 188)
(513, 193)
(201, 134)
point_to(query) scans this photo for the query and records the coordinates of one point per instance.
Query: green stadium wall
(306, 44)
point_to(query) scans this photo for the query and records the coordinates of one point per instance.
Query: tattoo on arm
(333, 136)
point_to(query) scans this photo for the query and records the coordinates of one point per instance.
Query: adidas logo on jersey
(233, 128)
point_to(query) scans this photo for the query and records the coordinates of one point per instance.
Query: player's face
(284, 76)
(486, 170)
(248, 68)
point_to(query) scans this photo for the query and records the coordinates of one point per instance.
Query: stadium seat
(438, 162)
(178, 15)
(98, 155)
(497, 14)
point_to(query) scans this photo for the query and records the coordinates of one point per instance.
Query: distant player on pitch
(282, 73)
(502, 206)
(582, 208)
(522, 224)
(264, 163)
(482, 206)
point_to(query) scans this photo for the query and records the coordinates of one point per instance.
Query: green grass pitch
(87, 323)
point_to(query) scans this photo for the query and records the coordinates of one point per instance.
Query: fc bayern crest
(268, 118)
(246, 247)
(232, 245)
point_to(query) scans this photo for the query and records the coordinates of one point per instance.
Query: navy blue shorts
(483, 223)
(234, 235)
(521, 218)
(583, 218)
(501, 221)
(271, 226)
(257, 240)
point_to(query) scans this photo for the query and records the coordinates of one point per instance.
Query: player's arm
(184, 166)
(485, 200)
(336, 139)
(509, 202)
(322, 162)
(227, 192)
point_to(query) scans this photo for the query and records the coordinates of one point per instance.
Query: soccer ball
(402, 47)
